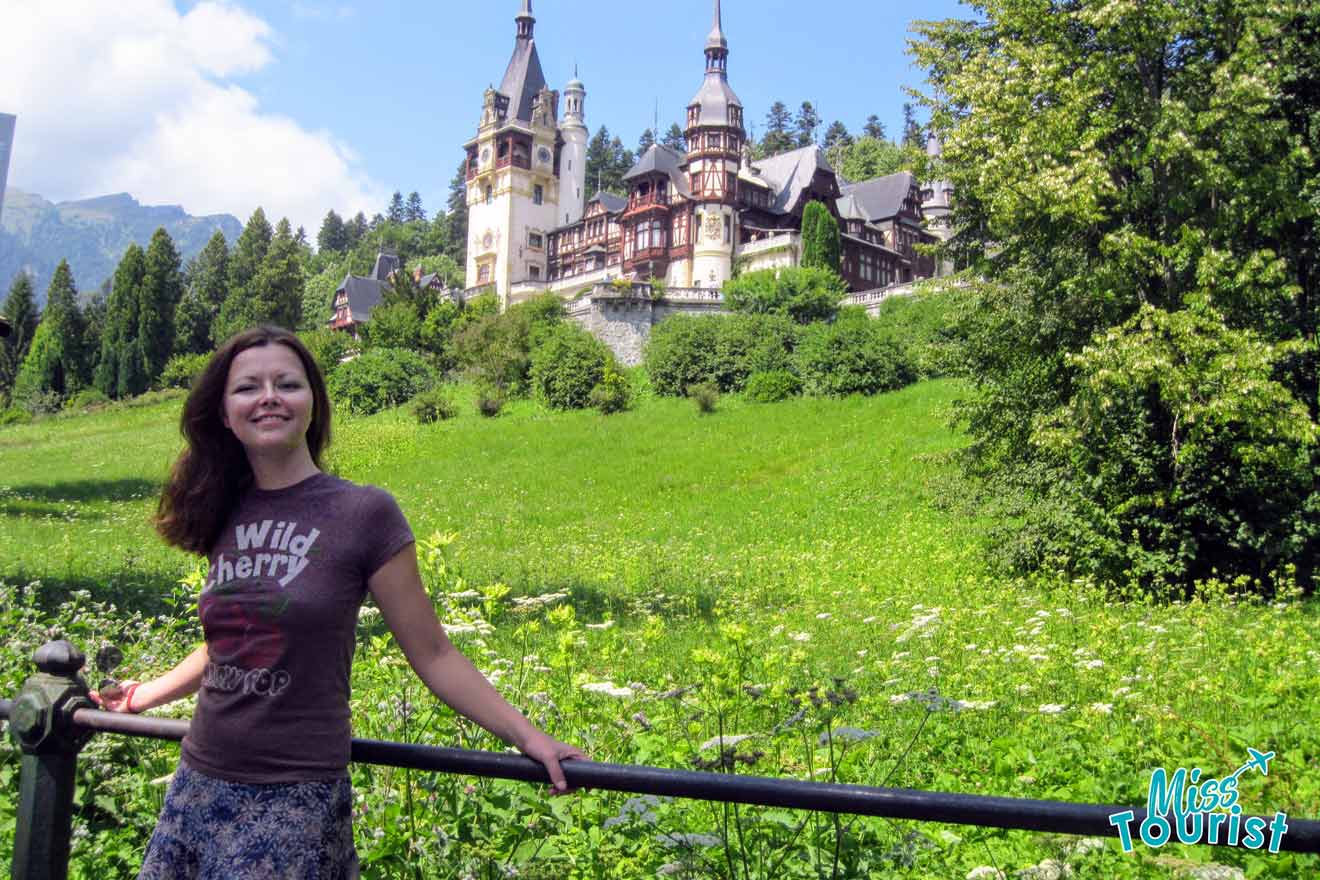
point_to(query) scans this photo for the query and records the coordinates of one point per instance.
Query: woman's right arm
(179, 682)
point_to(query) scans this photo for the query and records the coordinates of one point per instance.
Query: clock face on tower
(485, 155)
(543, 154)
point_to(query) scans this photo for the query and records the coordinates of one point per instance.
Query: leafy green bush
(181, 370)
(497, 349)
(567, 364)
(681, 352)
(773, 386)
(380, 378)
(805, 294)
(87, 399)
(705, 395)
(848, 357)
(433, 406)
(722, 350)
(613, 394)
(328, 348)
(1178, 458)
(394, 325)
(925, 326)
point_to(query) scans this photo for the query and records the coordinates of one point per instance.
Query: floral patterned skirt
(210, 829)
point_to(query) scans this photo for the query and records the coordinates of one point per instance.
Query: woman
(262, 787)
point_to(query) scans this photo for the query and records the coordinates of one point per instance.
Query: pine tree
(874, 128)
(911, 130)
(202, 297)
(280, 282)
(118, 369)
(645, 142)
(674, 138)
(159, 295)
(55, 364)
(807, 121)
(413, 212)
(239, 310)
(396, 213)
(356, 229)
(21, 310)
(457, 216)
(777, 123)
(598, 160)
(333, 235)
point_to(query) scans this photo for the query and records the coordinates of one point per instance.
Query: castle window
(535, 240)
(538, 194)
(490, 195)
(643, 237)
(534, 272)
(483, 273)
(728, 229)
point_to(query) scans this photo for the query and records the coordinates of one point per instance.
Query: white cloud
(133, 96)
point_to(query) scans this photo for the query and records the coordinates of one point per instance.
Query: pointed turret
(715, 102)
(716, 38)
(523, 79)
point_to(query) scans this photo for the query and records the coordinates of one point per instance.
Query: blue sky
(305, 105)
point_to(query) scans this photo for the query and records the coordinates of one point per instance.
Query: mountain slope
(92, 235)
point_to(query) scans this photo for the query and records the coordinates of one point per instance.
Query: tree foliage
(803, 293)
(21, 309)
(56, 363)
(204, 293)
(607, 162)
(1112, 158)
(820, 239)
(778, 136)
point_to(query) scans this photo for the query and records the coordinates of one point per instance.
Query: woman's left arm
(401, 597)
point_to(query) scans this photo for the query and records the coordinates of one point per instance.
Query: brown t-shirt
(279, 612)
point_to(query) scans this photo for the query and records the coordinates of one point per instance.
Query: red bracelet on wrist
(128, 698)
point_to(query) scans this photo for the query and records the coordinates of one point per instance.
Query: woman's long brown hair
(211, 474)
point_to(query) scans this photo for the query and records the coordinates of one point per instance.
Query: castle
(690, 220)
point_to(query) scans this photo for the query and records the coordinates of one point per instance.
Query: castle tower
(512, 174)
(573, 155)
(715, 138)
(937, 202)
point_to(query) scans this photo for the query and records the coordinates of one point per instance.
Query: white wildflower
(1052, 708)
(606, 624)
(800, 636)
(607, 688)
(1102, 708)
(824, 615)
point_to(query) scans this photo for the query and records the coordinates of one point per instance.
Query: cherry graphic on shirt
(241, 628)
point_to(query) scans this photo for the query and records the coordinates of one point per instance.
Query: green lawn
(808, 567)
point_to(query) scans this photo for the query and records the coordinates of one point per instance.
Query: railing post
(40, 723)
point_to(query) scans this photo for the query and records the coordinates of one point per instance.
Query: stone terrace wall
(623, 319)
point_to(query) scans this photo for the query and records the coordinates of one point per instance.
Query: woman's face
(268, 400)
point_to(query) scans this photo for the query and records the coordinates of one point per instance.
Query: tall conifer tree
(162, 287)
(119, 370)
(21, 310)
(205, 293)
(56, 363)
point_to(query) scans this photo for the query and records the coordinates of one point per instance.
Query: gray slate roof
(790, 173)
(364, 294)
(715, 97)
(613, 204)
(523, 80)
(879, 198)
(659, 159)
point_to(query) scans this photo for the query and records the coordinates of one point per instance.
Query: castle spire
(716, 38)
(525, 21)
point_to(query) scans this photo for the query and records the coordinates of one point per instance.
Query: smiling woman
(293, 553)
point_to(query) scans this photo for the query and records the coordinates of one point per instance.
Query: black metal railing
(52, 719)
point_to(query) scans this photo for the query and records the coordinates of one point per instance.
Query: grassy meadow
(788, 589)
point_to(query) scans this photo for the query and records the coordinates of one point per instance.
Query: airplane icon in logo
(1258, 761)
